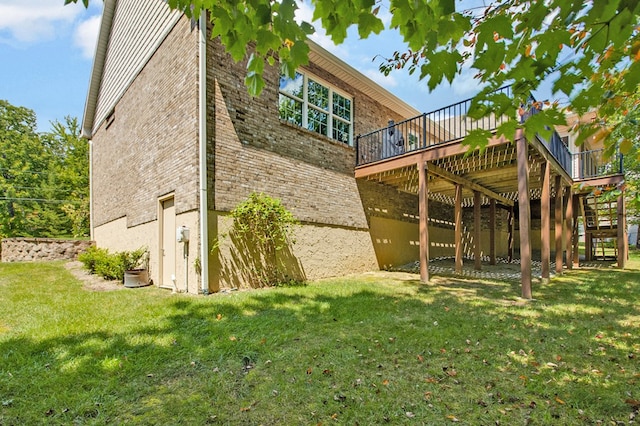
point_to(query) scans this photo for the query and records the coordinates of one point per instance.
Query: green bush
(111, 266)
(265, 227)
(91, 257)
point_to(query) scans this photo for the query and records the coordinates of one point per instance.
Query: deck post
(622, 232)
(524, 212)
(588, 246)
(492, 232)
(545, 216)
(510, 224)
(458, 228)
(423, 208)
(574, 235)
(568, 228)
(477, 252)
(558, 219)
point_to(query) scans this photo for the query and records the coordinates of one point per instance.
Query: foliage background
(44, 177)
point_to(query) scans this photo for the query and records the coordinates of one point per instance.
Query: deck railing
(452, 123)
(590, 164)
(443, 125)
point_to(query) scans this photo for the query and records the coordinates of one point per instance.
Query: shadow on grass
(350, 351)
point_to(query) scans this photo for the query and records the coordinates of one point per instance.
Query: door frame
(161, 201)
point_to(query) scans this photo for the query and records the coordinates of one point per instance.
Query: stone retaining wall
(30, 249)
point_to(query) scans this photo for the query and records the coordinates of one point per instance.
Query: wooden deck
(506, 175)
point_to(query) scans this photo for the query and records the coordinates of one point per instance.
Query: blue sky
(46, 53)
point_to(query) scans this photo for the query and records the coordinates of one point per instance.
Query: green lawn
(363, 350)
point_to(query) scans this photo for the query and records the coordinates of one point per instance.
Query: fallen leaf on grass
(634, 403)
(385, 382)
(233, 338)
(420, 358)
(559, 401)
(219, 317)
(452, 418)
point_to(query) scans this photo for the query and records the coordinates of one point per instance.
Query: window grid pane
(342, 106)
(293, 86)
(307, 103)
(318, 95)
(317, 121)
(341, 130)
(290, 110)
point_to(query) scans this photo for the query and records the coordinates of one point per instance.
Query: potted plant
(136, 267)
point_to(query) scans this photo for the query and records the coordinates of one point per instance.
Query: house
(177, 143)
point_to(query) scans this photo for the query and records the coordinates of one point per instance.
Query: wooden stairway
(600, 216)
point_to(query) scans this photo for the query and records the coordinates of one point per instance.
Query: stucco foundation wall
(116, 236)
(396, 242)
(318, 252)
(34, 249)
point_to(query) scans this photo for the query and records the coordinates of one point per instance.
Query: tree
(23, 166)
(578, 45)
(44, 178)
(69, 179)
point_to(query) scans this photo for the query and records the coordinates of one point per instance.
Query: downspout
(202, 106)
(91, 236)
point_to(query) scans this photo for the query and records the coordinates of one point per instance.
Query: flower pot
(136, 278)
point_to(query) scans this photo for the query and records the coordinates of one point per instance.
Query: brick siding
(151, 148)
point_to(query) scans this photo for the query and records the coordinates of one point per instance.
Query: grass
(373, 349)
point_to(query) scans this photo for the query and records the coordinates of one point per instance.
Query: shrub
(266, 227)
(111, 266)
(91, 257)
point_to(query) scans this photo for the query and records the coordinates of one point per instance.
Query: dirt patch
(92, 282)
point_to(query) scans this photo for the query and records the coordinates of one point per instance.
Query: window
(316, 106)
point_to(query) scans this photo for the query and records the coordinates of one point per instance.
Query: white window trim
(305, 105)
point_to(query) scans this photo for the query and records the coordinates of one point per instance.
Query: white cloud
(86, 35)
(29, 21)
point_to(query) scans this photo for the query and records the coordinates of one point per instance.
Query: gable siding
(139, 26)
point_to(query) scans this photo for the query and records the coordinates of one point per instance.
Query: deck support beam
(524, 212)
(458, 228)
(558, 220)
(511, 226)
(574, 235)
(492, 232)
(423, 208)
(622, 232)
(588, 246)
(568, 228)
(477, 252)
(545, 222)
(456, 179)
